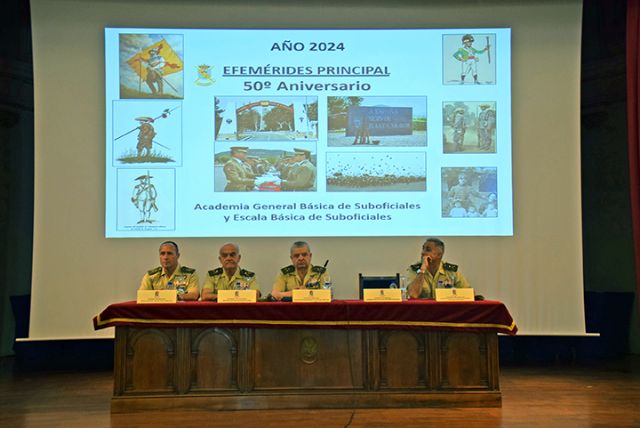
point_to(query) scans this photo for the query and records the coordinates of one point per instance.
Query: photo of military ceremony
(245, 169)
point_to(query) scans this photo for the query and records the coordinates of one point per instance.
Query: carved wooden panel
(214, 360)
(464, 361)
(308, 359)
(403, 362)
(150, 362)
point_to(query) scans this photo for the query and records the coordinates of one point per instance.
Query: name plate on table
(314, 296)
(237, 296)
(157, 296)
(382, 295)
(454, 295)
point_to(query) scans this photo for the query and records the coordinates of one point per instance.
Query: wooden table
(277, 355)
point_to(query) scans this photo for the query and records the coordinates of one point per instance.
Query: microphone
(325, 264)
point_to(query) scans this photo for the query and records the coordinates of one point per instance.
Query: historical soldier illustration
(238, 172)
(300, 172)
(154, 64)
(146, 132)
(151, 66)
(469, 57)
(486, 127)
(147, 138)
(144, 198)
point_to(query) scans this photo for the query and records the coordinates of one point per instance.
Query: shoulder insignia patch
(185, 269)
(414, 267)
(450, 266)
(318, 269)
(214, 272)
(288, 269)
(155, 271)
(246, 273)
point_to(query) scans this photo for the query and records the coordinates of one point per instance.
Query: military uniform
(301, 176)
(218, 280)
(157, 279)
(462, 193)
(486, 125)
(288, 278)
(145, 138)
(447, 276)
(239, 176)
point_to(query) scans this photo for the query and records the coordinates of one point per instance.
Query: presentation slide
(242, 133)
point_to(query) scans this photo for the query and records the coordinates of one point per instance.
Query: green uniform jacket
(447, 276)
(157, 279)
(300, 177)
(218, 280)
(239, 179)
(288, 279)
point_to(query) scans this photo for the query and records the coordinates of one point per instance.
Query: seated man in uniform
(230, 276)
(431, 272)
(171, 276)
(300, 274)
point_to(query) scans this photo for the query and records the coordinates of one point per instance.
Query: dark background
(609, 272)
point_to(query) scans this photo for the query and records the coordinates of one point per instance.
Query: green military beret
(247, 273)
(450, 266)
(288, 269)
(185, 269)
(217, 271)
(155, 271)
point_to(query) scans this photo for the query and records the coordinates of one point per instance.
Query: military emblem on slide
(204, 75)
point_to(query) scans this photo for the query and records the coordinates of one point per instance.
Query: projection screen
(533, 264)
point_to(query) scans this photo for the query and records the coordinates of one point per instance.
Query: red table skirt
(339, 314)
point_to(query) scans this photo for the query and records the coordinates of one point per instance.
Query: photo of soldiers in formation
(469, 127)
(469, 192)
(151, 66)
(376, 172)
(264, 170)
(469, 59)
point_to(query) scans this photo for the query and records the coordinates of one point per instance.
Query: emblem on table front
(308, 350)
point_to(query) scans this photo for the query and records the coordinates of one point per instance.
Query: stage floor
(602, 393)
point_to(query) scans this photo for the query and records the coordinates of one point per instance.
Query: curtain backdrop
(633, 119)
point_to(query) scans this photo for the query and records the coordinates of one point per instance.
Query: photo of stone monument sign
(266, 119)
(377, 121)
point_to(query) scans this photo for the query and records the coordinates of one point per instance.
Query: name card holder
(157, 296)
(382, 295)
(312, 296)
(237, 296)
(454, 295)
